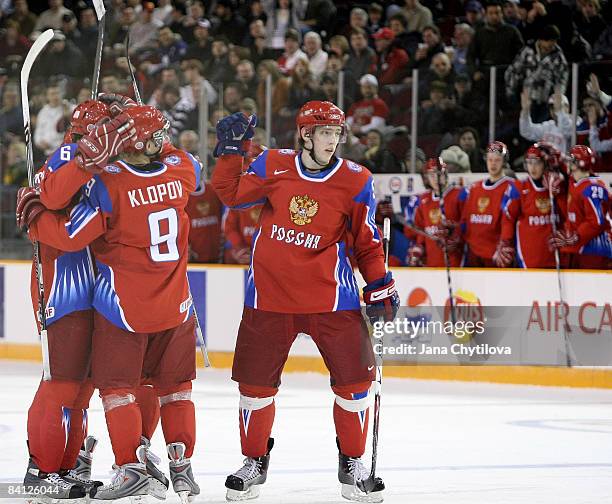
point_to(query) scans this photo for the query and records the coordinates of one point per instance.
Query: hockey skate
(158, 483)
(352, 475)
(245, 482)
(180, 473)
(129, 484)
(50, 488)
(81, 474)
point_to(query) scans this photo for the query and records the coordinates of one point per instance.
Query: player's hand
(242, 256)
(562, 238)
(381, 299)
(116, 102)
(233, 133)
(416, 253)
(29, 207)
(105, 141)
(504, 254)
(553, 182)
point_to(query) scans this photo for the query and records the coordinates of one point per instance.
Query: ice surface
(440, 442)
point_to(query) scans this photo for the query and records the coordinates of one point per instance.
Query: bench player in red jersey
(586, 235)
(301, 280)
(527, 213)
(57, 418)
(133, 213)
(428, 216)
(482, 213)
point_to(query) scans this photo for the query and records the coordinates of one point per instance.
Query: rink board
(219, 293)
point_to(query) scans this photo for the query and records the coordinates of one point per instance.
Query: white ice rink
(440, 442)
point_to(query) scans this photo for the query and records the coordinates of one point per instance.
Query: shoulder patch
(286, 152)
(351, 165)
(172, 160)
(111, 168)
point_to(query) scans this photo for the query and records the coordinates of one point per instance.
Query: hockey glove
(381, 299)
(553, 182)
(562, 238)
(415, 255)
(116, 102)
(242, 256)
(233, 133)
(105, 141)
(504, 254)
(29, 207)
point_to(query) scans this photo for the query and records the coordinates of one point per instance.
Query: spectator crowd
(309, 48)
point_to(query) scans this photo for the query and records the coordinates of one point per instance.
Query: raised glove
(553, 182)
(415, 255)
(504, 254)
(233, 133)
(29, 207)
(562, 238)
(381, 299)
(116, 102)
(105, 141)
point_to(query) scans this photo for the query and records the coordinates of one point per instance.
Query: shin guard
(124, 423)
(351, 417)
(256, 417)
(178, 416)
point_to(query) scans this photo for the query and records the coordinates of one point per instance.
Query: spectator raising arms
(556, 131)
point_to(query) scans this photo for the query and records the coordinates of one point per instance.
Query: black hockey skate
(245, 482)
(50, 488)
(355, 480)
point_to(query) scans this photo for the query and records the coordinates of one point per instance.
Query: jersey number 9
(163, 226)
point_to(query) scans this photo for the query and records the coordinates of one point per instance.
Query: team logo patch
(203, 207)
(172, 160)
(543, 205)
(286, 151)
(435, 215)
(483, 203)
(303, 209)
(112, 169)
(139, 145)
(354, 167)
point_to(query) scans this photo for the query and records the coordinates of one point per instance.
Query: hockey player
(133, 212)
(482, 213)
(527, 213)
(586, 235)
(57, 418)
(300, 280)
(428, 216)
(239, 226)
(205, 215)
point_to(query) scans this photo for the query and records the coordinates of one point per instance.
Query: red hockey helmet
(534, 152)
(86, 115)
(498, 147)
(150, 124)
(321, 113)
(583, 157)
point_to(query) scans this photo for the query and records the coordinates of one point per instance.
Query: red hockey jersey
(138, 221)
(300, 256)
(239, 226)
(205, 212)
(482, 216)
(428, 217)
(527, 216)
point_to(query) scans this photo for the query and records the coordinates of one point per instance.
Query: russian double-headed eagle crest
(543, 205)
(303, 209)
(483, 203)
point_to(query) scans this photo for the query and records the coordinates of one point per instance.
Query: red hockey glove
(28, 208)
(381, 299)
(562, 238)
(105, 141)
(553, 182)
(116, 102)
(415, 255)
(504, 254)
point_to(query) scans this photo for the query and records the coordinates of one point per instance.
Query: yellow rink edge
(581, 377)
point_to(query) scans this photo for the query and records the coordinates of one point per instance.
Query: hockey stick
(373, 482)
(131, 69)
(101, 15)
(553, 221)
(445, 245)
(38, 46)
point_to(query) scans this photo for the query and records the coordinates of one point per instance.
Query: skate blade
(239, 495)
(50, 500)
(186, 497)
(132, 499)
(351, 492)
(157, 489)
